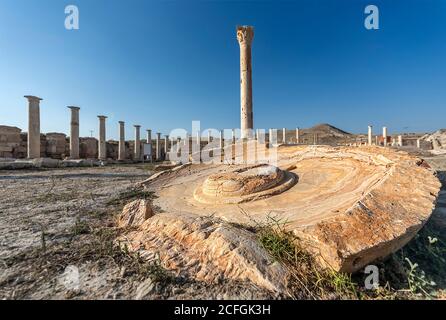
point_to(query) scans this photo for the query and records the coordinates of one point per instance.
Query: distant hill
(325, 129)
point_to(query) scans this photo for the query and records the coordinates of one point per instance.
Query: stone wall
(14, 142)
(10, 142)
(88, 148)
(56, 146)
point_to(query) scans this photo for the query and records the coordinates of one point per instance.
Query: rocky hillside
(438, 139)
(321, 134)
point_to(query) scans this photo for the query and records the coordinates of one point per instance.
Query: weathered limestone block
(56, 145)
(351, 205)
(9, 141)
(88, 148)
(46, 163)
(16, 165)
(206, 249)
(112, 149)
(135, 214)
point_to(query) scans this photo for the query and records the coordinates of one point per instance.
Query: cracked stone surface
(352, 204)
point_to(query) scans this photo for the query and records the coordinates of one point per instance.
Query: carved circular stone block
(246, 184)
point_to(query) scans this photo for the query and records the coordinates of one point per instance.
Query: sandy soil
(56, 231)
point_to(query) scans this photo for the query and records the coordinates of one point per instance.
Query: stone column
(149, 136)
(166, 144)
(222, 139)
(400, 141)
(74, 132)
(245, 35)
(33, 126)
(284, 136)
(102, 145)
(158, 146)
(376, 140)
(121, 149)
(297, 135)
(370, 135)
(233, 136)
(270, 137)
(419, 143)
(137, 142)
(385, 136)
(149, 142)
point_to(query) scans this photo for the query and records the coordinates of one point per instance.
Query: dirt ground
(56, 240)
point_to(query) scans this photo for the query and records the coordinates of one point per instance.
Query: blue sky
(163, 64)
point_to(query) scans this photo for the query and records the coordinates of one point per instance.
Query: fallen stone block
(135, 214)
(352, 206)
(205, 249)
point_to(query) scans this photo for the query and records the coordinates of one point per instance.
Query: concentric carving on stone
(245, 184)
(351, 205)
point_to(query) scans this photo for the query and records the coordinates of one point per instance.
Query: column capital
(33, 98)
(121, 123)
(102, 117)
(73, 108)
(245, 35)
(137, 126)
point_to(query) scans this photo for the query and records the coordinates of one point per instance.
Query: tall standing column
(149, 136)
(74, 132)
(297, 135)
(166, 144)
(419, 143)
(385, 136)
(102, 145)
(33, 126)
(121, 149)
(149, 142)
(222, 139)
(400, 141)
(158, 146)
(284, 136)
(370, 135)
(137, 142)
(245, 35)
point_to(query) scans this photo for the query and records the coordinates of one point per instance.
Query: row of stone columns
(398, 142)
(34, 133)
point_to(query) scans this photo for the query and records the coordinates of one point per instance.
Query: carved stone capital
(245, 35)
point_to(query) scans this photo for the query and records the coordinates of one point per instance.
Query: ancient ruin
(351, 199)
(245, 37)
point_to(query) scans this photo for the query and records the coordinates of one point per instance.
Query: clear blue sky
(164, 64)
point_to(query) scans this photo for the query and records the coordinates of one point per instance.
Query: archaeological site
(121, 204)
